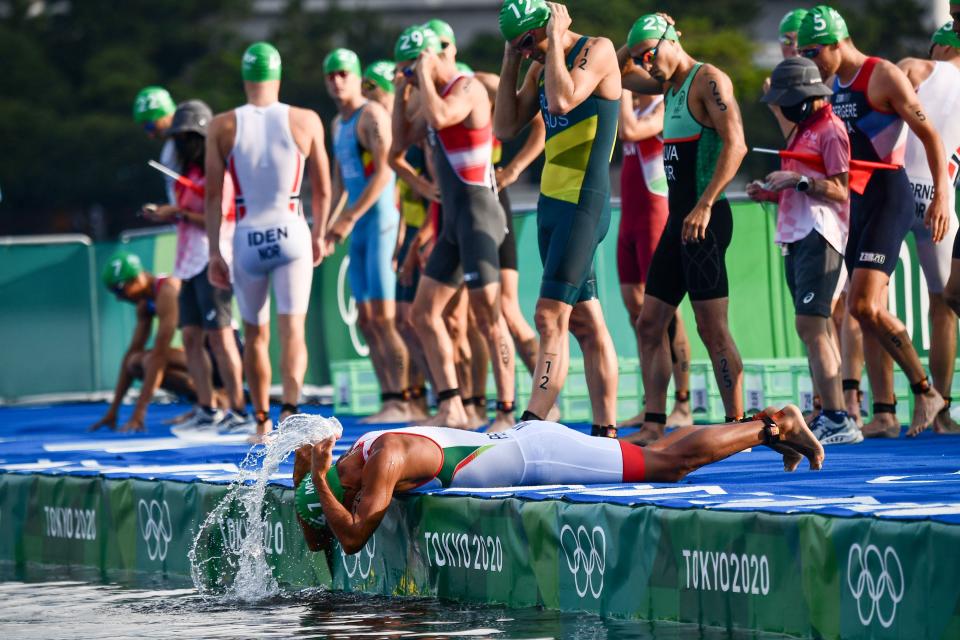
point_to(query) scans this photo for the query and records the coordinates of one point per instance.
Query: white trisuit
(940, 95)
(272, 239)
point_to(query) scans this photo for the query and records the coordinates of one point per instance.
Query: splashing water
(229, 553)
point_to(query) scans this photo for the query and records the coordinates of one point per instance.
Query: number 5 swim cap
(341, 60)
(413, 41)
(261, 62)
(519, 16)
(822, 25)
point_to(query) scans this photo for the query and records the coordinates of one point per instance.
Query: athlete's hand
(559, 22)
(426, 61)
(319, 250)
(511, 55)
(695, 224)
(162, 213)
(937, 218)
(408, 268)
(782, 180)
(133, 425)
(340, 228)
(322, 456)
(218, 273)
(109, 421)
(766, 85)
(506, 176)
(427, 189)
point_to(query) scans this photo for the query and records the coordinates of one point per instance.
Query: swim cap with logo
(822, 25)
(519, 16)
(651, 27)
(790, 23)
(381, 72)
(308, 505)
(413, 41)
(261, 62)
(443, 30)
(341, 60)
(946, 36)
(151, 104)
(121, 267)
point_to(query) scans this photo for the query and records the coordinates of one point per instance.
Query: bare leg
(943, 352)
(455, 317)
(851, 362)
(479, 364)
(817, 334)
(432, 298)
(867, 305)
(883, 424)
(703, 446)
(632, 295)
(293, 356)
(599, 360)
(393, 362)
(654, 365)
(227, 355)
(176, 378)
(256, 366)
(712, 326)
(418, 362)
(198, 364)
(682, 415)
(553, 360)
(485, 303)
(524, 337)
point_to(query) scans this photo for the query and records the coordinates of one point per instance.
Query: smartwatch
(803, 184)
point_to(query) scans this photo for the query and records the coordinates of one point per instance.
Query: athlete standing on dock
(265, 145)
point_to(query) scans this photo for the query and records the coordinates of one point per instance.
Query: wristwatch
(803, 184)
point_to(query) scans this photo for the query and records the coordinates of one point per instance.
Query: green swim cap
(651, 27)
(261, 62)
(945, 35)
(341, 60)
(463, 67)
(413, 41)
(307, 504)
(790, 23)
(822, 25)
(442, 29)
(519, 16)
(121, 267)
(151, 104)
(381, 72)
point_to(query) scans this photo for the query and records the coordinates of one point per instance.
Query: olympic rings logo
(155, 527)
(586, 553)
(362, 561)
(347, 306)
(883, 592)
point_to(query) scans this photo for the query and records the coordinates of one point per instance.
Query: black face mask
(798, 112)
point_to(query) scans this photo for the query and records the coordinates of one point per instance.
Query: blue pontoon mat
(908, 479)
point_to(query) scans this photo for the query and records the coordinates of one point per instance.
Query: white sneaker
(201, 421)
(236, 424)
(829, 432)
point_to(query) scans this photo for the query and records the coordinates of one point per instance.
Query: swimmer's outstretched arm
(380, 476)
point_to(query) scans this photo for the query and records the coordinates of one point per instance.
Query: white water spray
(229, 553)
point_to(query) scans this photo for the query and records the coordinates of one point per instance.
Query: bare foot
(649, 432)
(681, 415)
(477, 417)
(449, 415)
(264, 433)
(635, 421)
(795, 434)
(183, 417)
(502, 422)
(553, 415)
(926, 406)
(944, 424)
(851, 399)
(883, 425)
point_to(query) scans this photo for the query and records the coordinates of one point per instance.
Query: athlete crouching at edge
(348, 498)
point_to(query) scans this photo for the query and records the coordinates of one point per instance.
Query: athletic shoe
(201, 421)
(829, 432)
(236, 424)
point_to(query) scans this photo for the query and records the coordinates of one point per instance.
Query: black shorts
(812, 267)
(879, 221)
(407, 294)
(508, 249)
(468, 247)
(568, 236)
(204, 305)
(695, 268)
